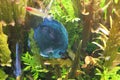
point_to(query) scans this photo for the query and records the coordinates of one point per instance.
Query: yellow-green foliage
(5, 10)
(12, 10)
(3, 76)
(5, 59)
(111, 51)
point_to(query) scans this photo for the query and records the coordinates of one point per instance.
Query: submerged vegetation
(94, 40)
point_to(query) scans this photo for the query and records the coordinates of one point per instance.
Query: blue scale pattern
(52, 38)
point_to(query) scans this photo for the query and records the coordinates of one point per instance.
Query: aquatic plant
(3, 75)
(113, 42)
(35, 68)
(109, 39)
(5, 54)
(94, 40)
(13, 11)
(12, 15)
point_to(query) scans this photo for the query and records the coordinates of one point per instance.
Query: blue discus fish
(50, 36)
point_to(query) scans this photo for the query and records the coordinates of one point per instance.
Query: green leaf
(32, 65)
(102, 3)
(5, 57)
(3, 75)
(35, 75)
(27, 68)
(116, 1)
